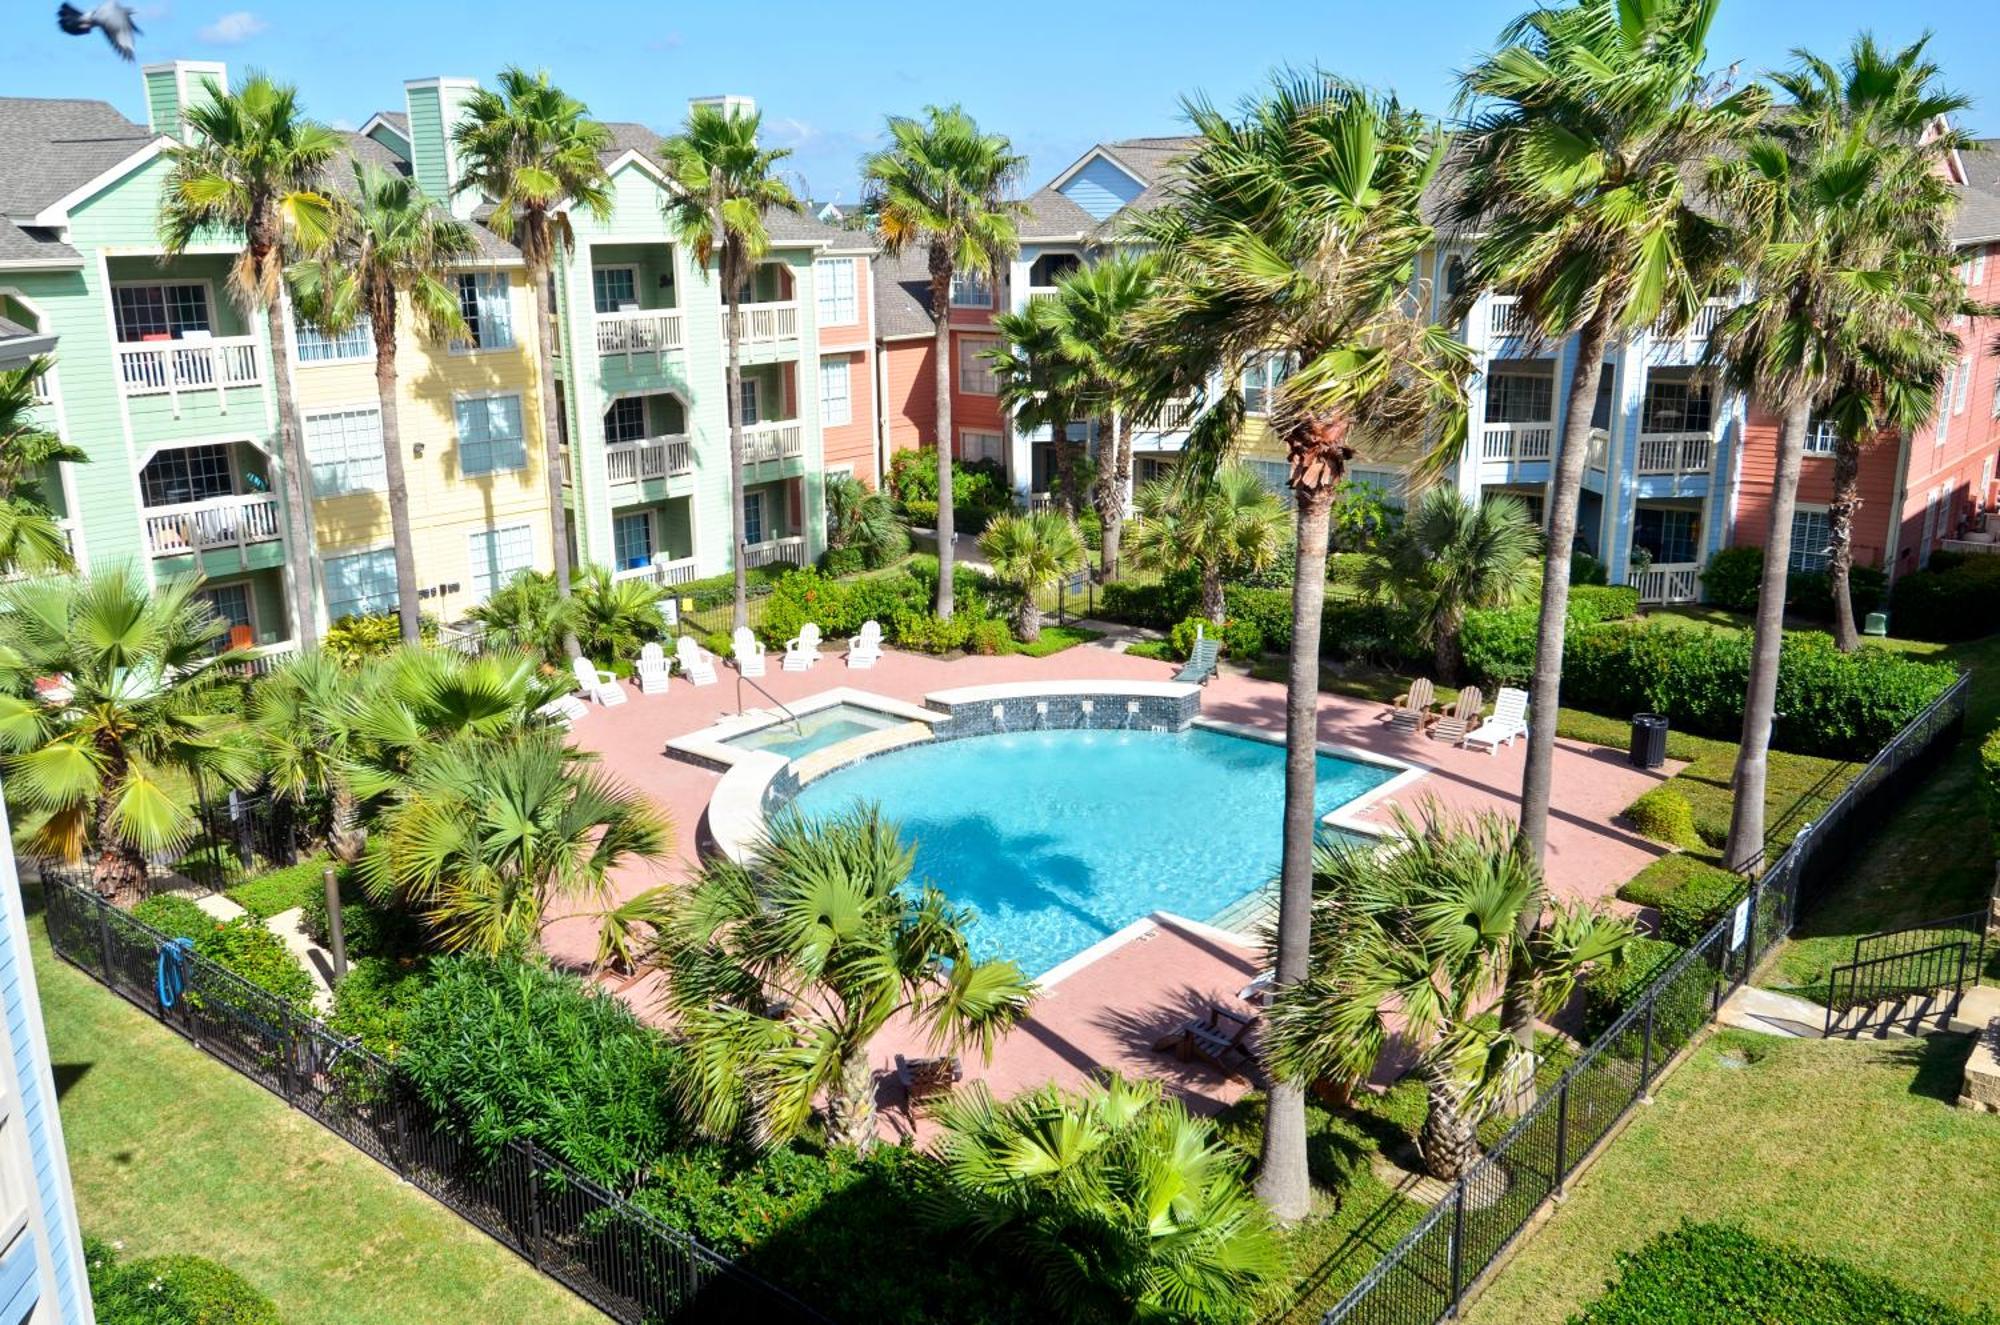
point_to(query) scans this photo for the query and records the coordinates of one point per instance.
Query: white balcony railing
(169, 368)
(1675, 452)
(269, 658)
(791, 551)
(642, 331)
(1668, 582)
(1504, 319)
(1517, 441)
(1038, 293)
(174, 531)
(43, 390)
(654, 457)
(759, 323)
(1697, 333)
(765, 443)
(662, 569)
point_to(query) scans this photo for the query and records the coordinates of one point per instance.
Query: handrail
(797, 726)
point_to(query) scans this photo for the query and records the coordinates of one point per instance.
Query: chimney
(728, 104)
(176, 85)
(435, 106)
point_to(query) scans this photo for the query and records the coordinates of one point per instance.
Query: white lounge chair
(697, 663)
(652, 669)
(865, 649)
(597, 683)
(802, 651)
(749, 651)
(563, 710)
(1509, 720)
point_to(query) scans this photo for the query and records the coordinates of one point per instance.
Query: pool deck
(1109, 1012)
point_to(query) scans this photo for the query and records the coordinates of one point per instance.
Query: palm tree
(30, 538)
(113, 697)
(1450, 556)
(783, 967)
(489, 836)
(529, 612)
(1032, 552)
(1039, 386)
(940, 186)
(254, 168)
(303, 718)
(1232, 527)
(1409, 943)
(618, 616)
(863, 519)
(724, 187)
(1296, 233)
(1122, 1205)
(390, 241)
(534, 152)
(1842, 189)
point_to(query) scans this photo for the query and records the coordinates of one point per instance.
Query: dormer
(1099, 184)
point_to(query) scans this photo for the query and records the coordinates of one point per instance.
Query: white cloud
(793, 133)
(232, 29)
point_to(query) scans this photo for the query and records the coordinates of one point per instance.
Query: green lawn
(171, 1151)
(1851, 1150)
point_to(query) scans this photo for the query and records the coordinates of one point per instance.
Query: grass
(280, 890)
(1054, 639)
(1851, 1149)
(170, 1151)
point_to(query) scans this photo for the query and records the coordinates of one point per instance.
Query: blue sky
(1055, 77)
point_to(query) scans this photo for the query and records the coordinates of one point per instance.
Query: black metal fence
(607, 1250)
(1425, 1277)
(1907, 974)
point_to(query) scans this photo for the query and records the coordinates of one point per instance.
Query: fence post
(1646, 1057)
(534, 1205)
(1562, 1136)
(104, 938)
(1457, 1247)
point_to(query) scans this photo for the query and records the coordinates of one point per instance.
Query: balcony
(1668, 582)
(219, 522)
(763, 324)
(1699, 330)
(1675, 452)
(42, 390)
(1517, 441)
(661, 570)
(790, 551)
(651, 457)
(651, 331)
(174, 368)
(1504, 319)
(1036, 295)
(768, 443)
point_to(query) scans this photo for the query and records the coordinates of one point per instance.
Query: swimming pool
(816, 730)
(1062, 838)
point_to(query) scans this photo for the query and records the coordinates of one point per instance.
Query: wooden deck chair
(1460, 718)
(1220, 1039)
(1412, 710)
(925, 1081)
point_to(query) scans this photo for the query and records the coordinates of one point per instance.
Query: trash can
(1649, 740)
(1876, 624)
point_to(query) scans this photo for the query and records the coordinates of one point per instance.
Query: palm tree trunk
(941, 370)
(1840, 552)
(1028, 618)
(291, 459)
(344, 836)
(120, 870)
(1745, 850)
(1111, 475)
(850, 1105)
(1065, 466)
(1446, 653)
(1283, 1182)
(739, 617)
(1214, 602)
(1448, 1140)
(382, 313)
(552, 456)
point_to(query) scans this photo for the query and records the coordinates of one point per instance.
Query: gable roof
(903, 295)
(18, 344)
(32, 247)
(785, 227)
(396, 121)
(1151, 161)
(1978, 219)
(50, 147)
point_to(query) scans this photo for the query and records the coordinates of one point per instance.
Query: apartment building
(906, 346)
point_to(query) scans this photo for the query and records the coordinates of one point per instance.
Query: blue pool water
(1062, 838)
(815, 731)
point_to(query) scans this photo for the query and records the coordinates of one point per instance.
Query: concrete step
(1771, 1013)
(1898, 1018)
(1978, 1013)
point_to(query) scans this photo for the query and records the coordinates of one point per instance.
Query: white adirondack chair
(652, 669)
(697, 663)
(1509, 720)
(865, 649)
(597, 683)
(802, 651)
(749, 651)
(563, 710)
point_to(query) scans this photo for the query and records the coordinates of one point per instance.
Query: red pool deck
(1109, 1013)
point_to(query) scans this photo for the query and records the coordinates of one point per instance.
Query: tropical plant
(1409, 942)
(113, 697)
(253, 167)
(863, 520)
(533, 151)
(488, 836)
(724, 186)
(390, 244)
(618, 615)
(782, 967)
(1232, 527)
(1120, 1204)
(530, 612)
(940, 186)
(1295, 233)
(303, 718)
(1032, 552)
(1840, 197)
(1451, 556)
(1038, 386)
(30, 538)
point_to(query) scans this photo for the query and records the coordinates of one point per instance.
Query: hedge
(1664, 815)
(1665, 877)
(1951, 600)
(241, 946)
(367, 928)
(1732, 577)
(1610, 991)
(171, 1290)
(1691, 910)
(277, 891)
(1989, 783)
(1718, 1274)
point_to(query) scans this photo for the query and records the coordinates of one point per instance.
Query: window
(753, 517)
(833, 279)
(498, 555)
(185, 474)
(1812, 532)
(1261, 377)
(836, 407)
(632, 539)
(625, 421)
(315, 346)
(1945, 394)
(231, 605)
(975, 371)
(979, 446)
(1821, 437)
(1520, 398)
(971, 289)
(489, 435)
(1964, 386)
(362, 584)
(750, 401)
(345, 452)
(1676, 407)
(1669, 534)
(160, 311)
(614, 288)
(1996, 396)
(1973, 269)
(489, 315)
(1276, 475)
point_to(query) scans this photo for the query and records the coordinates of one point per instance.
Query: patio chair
(1452, 725)
(802, 651)
(865, 649)
(563, 710)
(1200, 665)
(749, 651)
(697, 664)
(925, 1081)
(652, 669)
(1412, 710)
(1219, 1039)
(1509, 720)
(597, 683)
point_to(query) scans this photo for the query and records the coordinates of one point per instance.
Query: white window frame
(631, 267)
(971, 289)
(1964, 385)
(763, 517)
(507, 289)
(458, 431)
(833, 308)
(249, 602)
(1802, 562)
(1945, 395)
(750, 406)
(388, 550)
(840, 369)
(206, 286)
(975, 374)
(476, 568)
(1263, 374)
(354, 345)
(965, 436)
(307, 418)
(1822, 438)
(612, 408)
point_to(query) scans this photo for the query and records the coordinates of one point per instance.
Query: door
(753, 516)
(632, 539)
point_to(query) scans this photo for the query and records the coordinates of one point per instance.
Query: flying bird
(111, 18)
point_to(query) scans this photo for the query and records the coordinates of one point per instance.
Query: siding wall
(1872, 523)
(1101, 188)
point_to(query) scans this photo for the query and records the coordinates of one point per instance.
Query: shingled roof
(1151, 161)
(49, 147)
(1978, 219)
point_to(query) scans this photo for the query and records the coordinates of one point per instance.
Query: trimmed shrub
(280, 890)
(1661, 879)
(732, 1198)
(1242, 640)
(171, 1290)
(843, 561)
(721, 643)
(1499, 645)
(989, 638)
(373, 1000)
(1730, 579)
(804, 595)
(1592, 603)
(922, 512)
(1586, 571)
(1810, 593)
(1181, 639)
(1960, 601)
(1609, 990)
(241, 946)
(1156, 605)
(925, 632)
(1691, 910)
(880, 598)
(174, 915)
(369, 928)
(1269, 611)
(1664, 815)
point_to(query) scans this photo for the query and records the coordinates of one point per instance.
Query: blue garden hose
(171, 980)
